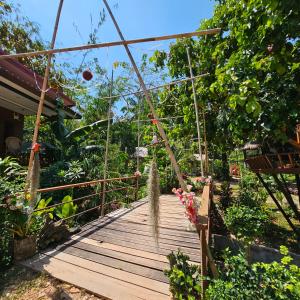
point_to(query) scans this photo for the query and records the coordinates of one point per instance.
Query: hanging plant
(153, 196)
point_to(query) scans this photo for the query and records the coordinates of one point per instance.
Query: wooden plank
(194, 256)
(146, 238)
(141, 281)
(96, 283)
(115, 263)
(191, 235)
(148, 232)
(161, 244)
(162, 224)
(149, 263)
(122, 249)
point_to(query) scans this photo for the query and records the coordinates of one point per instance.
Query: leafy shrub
(12, 177)
(247, 223)
(185, 279)
(251, 192)
(259, 281)
(6, 239)
(220, 170)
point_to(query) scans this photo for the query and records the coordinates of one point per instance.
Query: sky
(137, 19)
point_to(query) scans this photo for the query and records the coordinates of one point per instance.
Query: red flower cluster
(188, 200)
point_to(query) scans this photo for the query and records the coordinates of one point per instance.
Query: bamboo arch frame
(123, 42)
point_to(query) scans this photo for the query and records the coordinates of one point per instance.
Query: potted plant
(25, 226)
(24, 236)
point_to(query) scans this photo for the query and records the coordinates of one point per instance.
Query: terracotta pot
(24, 248)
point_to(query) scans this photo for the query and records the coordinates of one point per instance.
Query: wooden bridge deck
(116, 256)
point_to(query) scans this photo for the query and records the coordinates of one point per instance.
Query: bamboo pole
(196, 111)
(42, 97)
(149, 101)
(113, 44)
(138, 136)
(107, 143)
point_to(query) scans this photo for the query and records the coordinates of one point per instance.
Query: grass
(279, 232)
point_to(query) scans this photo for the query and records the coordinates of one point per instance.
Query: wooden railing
(204, 231)
(275, 163)
(132, 183)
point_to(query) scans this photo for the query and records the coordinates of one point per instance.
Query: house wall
(11, 124)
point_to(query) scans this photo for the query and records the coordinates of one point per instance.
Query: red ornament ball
(87, 75)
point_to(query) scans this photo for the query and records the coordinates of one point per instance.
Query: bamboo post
(42, 97)
(107, 143)
(136, 190)
(138, 136)
(149, 101)
(196, 111)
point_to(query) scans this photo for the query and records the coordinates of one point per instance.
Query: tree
(253, 87)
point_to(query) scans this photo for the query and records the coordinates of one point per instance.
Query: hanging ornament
(36, 147)
(87, 74)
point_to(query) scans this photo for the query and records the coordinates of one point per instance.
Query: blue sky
(137, 19)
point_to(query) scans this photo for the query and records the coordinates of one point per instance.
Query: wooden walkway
(116, 256)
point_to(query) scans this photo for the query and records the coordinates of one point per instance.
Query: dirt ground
(19, 283)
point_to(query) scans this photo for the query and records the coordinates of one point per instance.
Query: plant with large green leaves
(253, 79)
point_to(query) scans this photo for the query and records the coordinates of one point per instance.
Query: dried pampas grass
(153, 197)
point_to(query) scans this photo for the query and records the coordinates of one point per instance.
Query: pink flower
(187, 199)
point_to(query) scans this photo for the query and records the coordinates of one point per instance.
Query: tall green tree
(253, 87)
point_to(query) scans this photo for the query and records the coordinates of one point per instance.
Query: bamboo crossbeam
(113, 44)
(82, 184)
